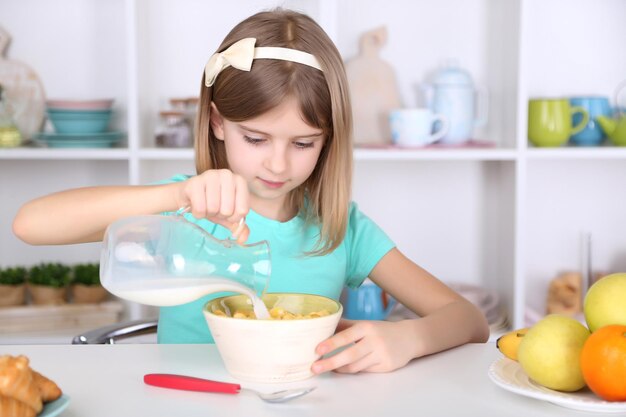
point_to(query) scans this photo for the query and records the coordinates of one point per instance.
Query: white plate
(55, 407)
(509, 375)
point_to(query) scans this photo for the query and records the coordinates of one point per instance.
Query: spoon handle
(189, 383)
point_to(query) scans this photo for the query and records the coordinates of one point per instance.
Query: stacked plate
(79, 124)
(487, 301)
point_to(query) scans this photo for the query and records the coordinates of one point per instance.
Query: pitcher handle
(581, 125)
(482, 104)
(182, 210)
(443, 128)
(234, 236)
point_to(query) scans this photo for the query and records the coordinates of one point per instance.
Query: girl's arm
(83, 214)
(446, 320)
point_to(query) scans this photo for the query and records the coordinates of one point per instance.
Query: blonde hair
(324, 103)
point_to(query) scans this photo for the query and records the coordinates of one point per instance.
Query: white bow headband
(241, 54)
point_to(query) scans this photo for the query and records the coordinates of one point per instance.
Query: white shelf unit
(508, 217)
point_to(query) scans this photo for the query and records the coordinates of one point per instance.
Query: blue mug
(592, 134)
(368, 302)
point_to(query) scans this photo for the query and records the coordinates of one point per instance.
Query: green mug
(550, 121)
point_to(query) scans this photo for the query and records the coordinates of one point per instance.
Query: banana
(509, 342)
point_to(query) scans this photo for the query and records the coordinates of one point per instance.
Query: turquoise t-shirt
(349, 264)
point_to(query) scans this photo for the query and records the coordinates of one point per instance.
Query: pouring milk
(167, 260)
(165, 292)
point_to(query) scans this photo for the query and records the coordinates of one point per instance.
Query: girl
(273, 146)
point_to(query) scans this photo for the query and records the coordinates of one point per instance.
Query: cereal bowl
(273, 350)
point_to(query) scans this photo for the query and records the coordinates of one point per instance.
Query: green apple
(605, 302)
(550, 352)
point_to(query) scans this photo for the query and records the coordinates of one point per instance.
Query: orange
(603, 362)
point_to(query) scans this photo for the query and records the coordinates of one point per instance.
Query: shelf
(370, 154)
(604, 152)
(33, 318)
(360, 154)
(429, 154)
(65, 153)
(172, 154)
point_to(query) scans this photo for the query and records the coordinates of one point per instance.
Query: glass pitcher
(166, 260)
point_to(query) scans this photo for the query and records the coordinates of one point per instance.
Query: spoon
(189, 383)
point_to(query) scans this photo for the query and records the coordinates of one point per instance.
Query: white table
(107, 380)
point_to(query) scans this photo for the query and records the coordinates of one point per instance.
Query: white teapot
(453, 95)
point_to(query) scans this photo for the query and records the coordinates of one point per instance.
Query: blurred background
(99, 93)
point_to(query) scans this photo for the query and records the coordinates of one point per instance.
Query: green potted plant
(86, 287)
(12, 286)
(47, 283)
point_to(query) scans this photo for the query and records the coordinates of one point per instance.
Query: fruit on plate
(549, 353)
(603, 362)
(605, 302)
(508, 343)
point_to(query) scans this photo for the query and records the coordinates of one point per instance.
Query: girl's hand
(377, 346)
(219, 196)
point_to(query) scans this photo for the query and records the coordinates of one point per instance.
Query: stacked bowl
(79, 124)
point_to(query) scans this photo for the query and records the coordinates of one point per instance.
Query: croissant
(10, 407)
(17, 382)
(49, 390)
